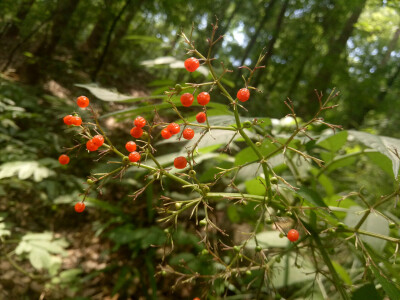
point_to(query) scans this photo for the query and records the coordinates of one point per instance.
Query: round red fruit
(140, 122)
(293, 235)
(187, 99)
(173, 128)
(197, 298)
(77, 121)
(98, 140)
(82, 101)
(91, 146)
(203, 98)
(136, 132)
(201, 117)
(191, 64)
(63, 159)
(165, 133)
(79, 207)
(180, 162)
(134, 156)
(130, 146)
(68, 120)
(243, 95)
(188, 133)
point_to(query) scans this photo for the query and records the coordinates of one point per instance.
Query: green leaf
(233, 214)
(367, 291)
(39, 258)
(381, 161)
(268, 239)
(389, 287)
(24, 170)
(342, 272)
(256, 186)
(311, 197)
(248, 155)
(386, 145)
(333, 142)
(374, 223)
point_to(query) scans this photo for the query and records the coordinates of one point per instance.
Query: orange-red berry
(293, 235)
(63, 159)
(191, 64)
(130, 146)
(77, 121)
(79, 207)
(98, 140)
(91, 146)
(188, 133)
(201, 117)
(134, 156)
(197, 298)
(68, 120)
(203, 98)
(187, 99)
(82, 101)
(140, 122)
(165, 133)
(243, 94)
(136, 132)
(180, 162)
(173, 128)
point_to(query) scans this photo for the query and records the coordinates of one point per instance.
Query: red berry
(140, 122)
(243, 94)
(91, 146)
(191, 64)
(136, 132)
(82, 101)
(293, 235)
(187, 99)
(63, 159)
(165, 133)
(188, 133)
(180, 162)
(201, 117)
(197, 298)
(77, 121)
(68, 120)
(79, 207)
(173, 128)
(98, 140)
(134, 156)
(130, 146)
(203, 98)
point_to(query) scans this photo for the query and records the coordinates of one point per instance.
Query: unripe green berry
(236, 248)
(289, 213)
(392, 225)
(163, 273)
(269, 221)
(273, 180)
(166, 230)
(206, 189)
(258, 248)
(247, 124)
(281, 235)
(204, 252)
(203, 222)
(145, 136)
(240, 255)
(192, 173)
(89, 181)
(279, 213)
(178, 205)
(178, 88)
(258, 144)
(126, 160)
(278, 259)
(340, 225)
(248, 272)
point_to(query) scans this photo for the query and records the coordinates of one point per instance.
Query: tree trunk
(62, 16)
(271, 44)
(11, 32)
(108, 41)
(323, 78)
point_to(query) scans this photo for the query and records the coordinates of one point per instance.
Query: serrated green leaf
(389, 287)
(367, 291)
(24, 170)
(256, 186)
(381, 161)
(233, 214)
(39, 258)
